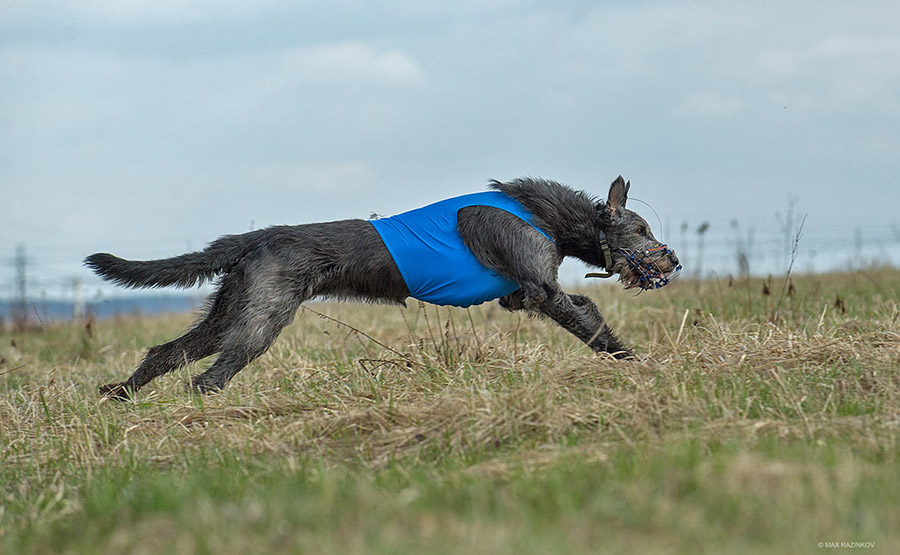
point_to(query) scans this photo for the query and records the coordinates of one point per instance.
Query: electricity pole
(19, 313)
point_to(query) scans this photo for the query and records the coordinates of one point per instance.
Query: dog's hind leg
(202, 340)
(162, 359)
(243, 344)
(270, 307)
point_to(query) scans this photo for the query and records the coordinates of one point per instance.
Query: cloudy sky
(150, 127)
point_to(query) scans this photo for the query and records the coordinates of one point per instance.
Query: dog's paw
(511, 302)
(118, 391)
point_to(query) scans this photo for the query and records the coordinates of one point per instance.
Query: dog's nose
(673, 259)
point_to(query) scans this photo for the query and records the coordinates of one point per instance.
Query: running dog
(506, 243)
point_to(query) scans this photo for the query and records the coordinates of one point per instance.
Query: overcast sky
(150, 127)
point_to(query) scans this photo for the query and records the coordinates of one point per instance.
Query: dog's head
(637, 256)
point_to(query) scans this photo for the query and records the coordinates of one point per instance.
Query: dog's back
(340, 259)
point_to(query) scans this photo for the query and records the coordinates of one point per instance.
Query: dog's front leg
(581, 317)
(577, 314)
(603, 334)
(518, 252)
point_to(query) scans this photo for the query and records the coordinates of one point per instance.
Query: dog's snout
(673, 259)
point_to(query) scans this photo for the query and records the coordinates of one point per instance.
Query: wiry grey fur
(264, 275)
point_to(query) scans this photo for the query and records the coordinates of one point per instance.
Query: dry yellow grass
(744, 421)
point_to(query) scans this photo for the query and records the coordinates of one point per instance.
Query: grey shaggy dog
(264, 275)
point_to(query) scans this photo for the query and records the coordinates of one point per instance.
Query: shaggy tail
(186, 270)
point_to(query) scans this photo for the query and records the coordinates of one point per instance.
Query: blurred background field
(47, 282)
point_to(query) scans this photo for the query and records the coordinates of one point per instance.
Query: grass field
(758, 417)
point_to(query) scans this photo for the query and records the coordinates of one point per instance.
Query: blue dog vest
(432, 258)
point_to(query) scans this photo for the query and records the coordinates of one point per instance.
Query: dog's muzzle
(648, 273)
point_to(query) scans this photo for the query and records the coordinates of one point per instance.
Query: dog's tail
(185, 270)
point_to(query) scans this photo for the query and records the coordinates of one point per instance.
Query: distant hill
(50, 310)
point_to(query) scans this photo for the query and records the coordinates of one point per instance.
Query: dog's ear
(618, 195)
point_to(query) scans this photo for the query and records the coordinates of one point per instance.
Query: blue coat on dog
(432, 258)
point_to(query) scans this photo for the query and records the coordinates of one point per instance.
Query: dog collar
(607, 258)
